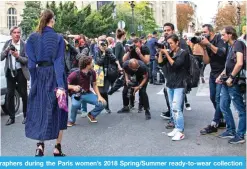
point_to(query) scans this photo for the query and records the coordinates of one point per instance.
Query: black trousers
(20, 82)
(143, 97)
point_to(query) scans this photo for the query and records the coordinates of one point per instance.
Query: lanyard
(230, 50)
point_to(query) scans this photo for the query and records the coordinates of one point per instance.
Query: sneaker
(79, 112)
(237, 140)
(83, 114)
(131, 107)
(178, 136)
(170, 125)
(91, 118)
(226, 134)
(187, 106)
(124, 110)
(70, 124)
(208, 130)
(166, 115)
(108, 111)
(172, 134)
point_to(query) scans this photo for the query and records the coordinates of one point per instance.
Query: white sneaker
(83, 114)
(187, 106)
(178, 136)
(174, 131)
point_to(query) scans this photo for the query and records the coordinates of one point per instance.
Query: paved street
(130, 134)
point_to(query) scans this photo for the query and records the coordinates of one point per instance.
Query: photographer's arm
(5, 51)
(205, 57)
(145, 58)
(126, 56)
(160, 58)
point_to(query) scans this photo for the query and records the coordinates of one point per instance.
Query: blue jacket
(151, 46)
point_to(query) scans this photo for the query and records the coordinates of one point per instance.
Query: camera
(131, 47)
(12, 47)
(77, 95)
(197, 39)
(76, 41)
(160, 45)
(131, 84)
(224, 78)
(242, 85)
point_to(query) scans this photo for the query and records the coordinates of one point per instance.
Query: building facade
(10, 15)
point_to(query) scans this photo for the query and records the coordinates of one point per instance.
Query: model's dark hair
(174, 37)
(230, 30)
(85, 61)
(169, 24)
(45, 18)
(120, 33)
(209, 26)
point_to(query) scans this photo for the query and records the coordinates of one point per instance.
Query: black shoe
(140, 109)
(222, 124)
(10, 121)
(39, 151)
(24, 120)
(60, 154)
(156, 83)
(148, 115)
(166, 115)
(203, 81)
(124, 110)
(208, 130)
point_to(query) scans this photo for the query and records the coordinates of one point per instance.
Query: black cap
(154, 33)
(143, 37)
(133, 34)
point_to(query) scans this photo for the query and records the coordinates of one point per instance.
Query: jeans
(215, 98)
(85, 98)
(153, 70)
(143, 97)
(84, 106)
(228, 94)
(176, 100)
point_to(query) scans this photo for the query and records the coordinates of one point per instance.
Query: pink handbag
(62, 102)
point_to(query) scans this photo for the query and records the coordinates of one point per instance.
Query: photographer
(139, 51)
(136, 77)
(81, 47)
(16, 71)
(169, 29)
(111, 66)
(79, 85)
(230, 90)
(177, 63)
(215, 55)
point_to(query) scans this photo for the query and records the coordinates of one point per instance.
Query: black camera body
(77, 95)
(197, 39)
(131, 47)
(132, 83)
(224, 78)
(160, 45)
(12, 47)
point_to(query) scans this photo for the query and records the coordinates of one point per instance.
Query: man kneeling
(79, 86)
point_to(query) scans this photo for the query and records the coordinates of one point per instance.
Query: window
(11, 18)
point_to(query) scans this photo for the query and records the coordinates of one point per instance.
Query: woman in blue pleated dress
(45, 51)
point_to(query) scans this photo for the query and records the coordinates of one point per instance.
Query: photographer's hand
(218, 81)
(204, 42)
(102, 100)
(77, 88)
(229, 82)
(14, 53)
(135, 90)
(60, 92)
(138, 51)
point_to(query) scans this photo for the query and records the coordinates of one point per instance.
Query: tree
(228, 15)
(143, 15)
(184, 16)
(30, 15)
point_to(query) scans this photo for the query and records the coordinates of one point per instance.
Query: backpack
(194, 72)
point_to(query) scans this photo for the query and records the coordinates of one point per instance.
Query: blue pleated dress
(44, 118)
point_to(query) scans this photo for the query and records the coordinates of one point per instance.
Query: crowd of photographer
(104, 64)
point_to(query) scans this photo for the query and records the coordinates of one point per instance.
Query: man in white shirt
(16, 72)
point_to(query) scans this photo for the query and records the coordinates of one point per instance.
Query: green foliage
(30, 17)
(95, 23)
